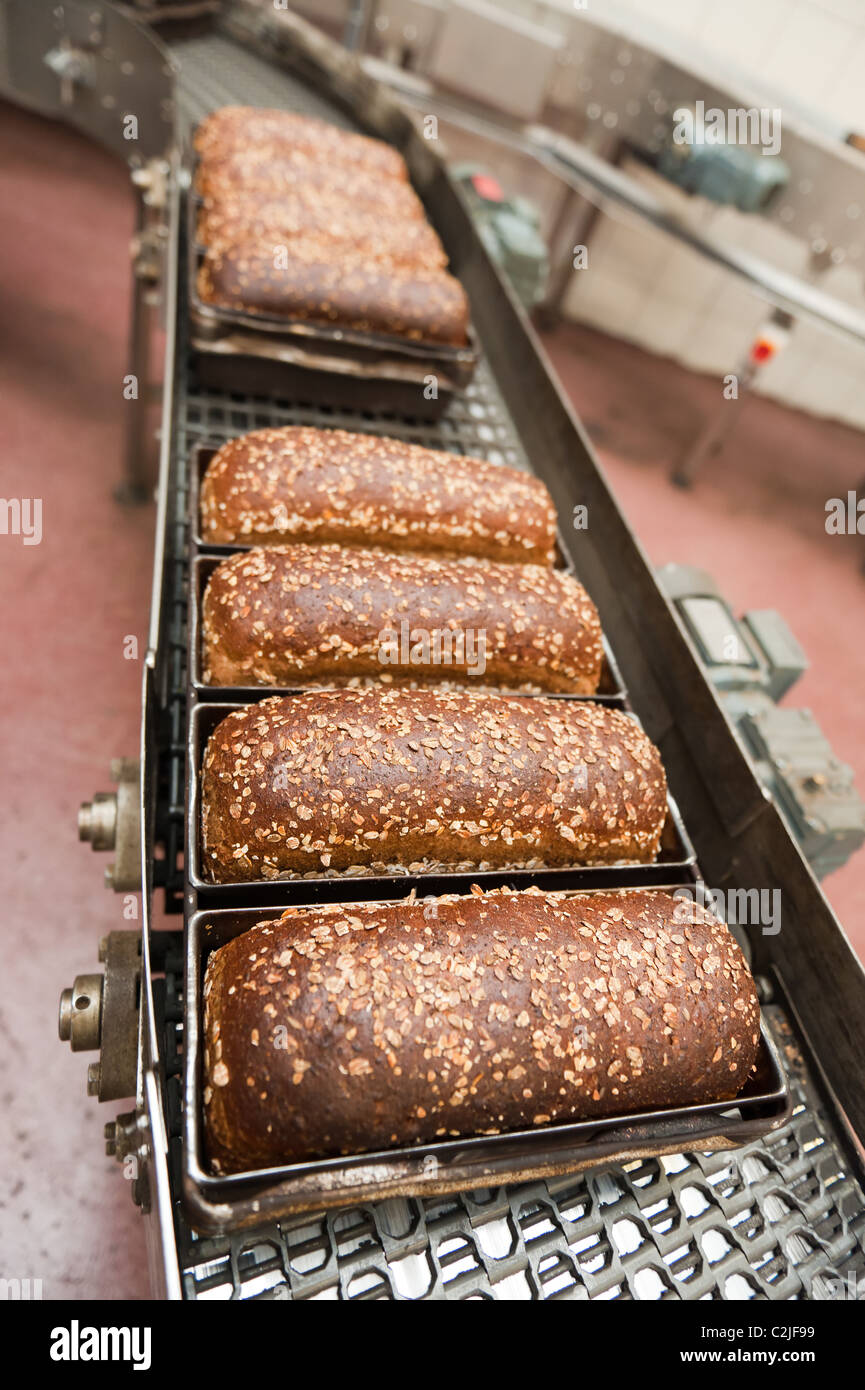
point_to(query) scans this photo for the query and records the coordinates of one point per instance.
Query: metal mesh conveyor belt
(782, 1218)
(779, 1219)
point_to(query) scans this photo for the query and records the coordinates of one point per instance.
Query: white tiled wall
(810, 49)
(647, 288)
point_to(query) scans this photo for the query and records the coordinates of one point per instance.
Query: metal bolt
(80, 1016)
(94, 1076)
(97, 820)
(64, 1023)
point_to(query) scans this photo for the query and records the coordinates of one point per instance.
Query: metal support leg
(147, 252)
(357, 25)
(576, 216)
(574, 223)
(714, 434)
(136, 485)
(719, 428)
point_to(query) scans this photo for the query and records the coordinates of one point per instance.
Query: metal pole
(134, 486)
(717, 431)
(357, 25)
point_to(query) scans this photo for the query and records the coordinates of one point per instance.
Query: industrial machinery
(783, 1216)
(753, 663)
(600, 99)
(510, 228)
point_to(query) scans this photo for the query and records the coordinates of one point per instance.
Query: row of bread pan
(674, 864)
(200, 456)
(220, 1202)
(275, 355)
(611, 689)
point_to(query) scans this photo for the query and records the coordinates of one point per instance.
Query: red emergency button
(762, 350)
(488, 187)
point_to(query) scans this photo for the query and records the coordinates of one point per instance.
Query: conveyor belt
(782, 1218)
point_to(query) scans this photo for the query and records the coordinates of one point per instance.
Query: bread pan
(272, 355)
(201, 454)
(673, 864)
(611, 690)
(218, 1203)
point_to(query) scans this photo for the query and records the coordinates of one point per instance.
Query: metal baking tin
(611, 690)
(673, 865)
(203, 451)
(213, 1202)
(268, 354)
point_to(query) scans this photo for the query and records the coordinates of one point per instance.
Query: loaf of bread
(254, 170)
(242, 216)
(342, 1029)
(234, 129)
(316, 281)
(307, 222)
(305, 484)
(291, 615)
(379, 780)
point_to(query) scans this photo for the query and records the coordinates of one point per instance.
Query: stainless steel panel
(495, 58)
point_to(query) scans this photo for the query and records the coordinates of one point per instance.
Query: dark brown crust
(290, 615)
(306, 222)
(319, 281)
(360, 779)
(261, 171)
(238, 128)
(333, 219)
(304, 484)
(340, 1029)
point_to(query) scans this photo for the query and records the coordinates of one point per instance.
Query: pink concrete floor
(72, 701)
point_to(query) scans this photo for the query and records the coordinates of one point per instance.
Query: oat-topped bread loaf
(340, 1029)
(239, 217)
(238, 128)
(308, 223)
(304, 484)
(260, 171)
(315, 280)
(375, 779)
(289, 615)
